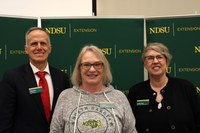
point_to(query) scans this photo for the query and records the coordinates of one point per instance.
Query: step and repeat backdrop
(182, 36)
(12, 41)
(120, 39)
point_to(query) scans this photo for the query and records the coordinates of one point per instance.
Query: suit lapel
(31, 82)
(55, 85)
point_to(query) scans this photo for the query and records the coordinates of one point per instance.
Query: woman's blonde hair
(76, 75)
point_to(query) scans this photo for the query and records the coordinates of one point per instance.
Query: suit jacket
(20, 111)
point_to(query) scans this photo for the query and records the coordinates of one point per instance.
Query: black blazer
(180, 112)
(20, 111)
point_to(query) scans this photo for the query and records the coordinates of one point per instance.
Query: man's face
(38, 47)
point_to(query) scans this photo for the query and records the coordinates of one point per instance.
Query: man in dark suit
(21, 106)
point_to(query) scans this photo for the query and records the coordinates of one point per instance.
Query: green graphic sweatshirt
(78, 111)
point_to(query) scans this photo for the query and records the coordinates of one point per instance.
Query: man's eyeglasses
(151, 58)
(87, 65)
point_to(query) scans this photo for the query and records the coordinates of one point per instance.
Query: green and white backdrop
(120, 39)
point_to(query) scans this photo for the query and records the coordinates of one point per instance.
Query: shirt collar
(35, 69)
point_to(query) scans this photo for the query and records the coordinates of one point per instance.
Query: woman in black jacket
(163, 104)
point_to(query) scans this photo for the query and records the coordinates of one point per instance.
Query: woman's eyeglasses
(151, 58)
(87, 65)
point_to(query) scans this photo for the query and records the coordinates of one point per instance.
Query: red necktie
(45, 94)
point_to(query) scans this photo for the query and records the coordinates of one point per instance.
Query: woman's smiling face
(92, 76)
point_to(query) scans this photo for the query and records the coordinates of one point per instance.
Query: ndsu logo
(169, 70)
(158, 30)
(198, 90)
(197, 49)
(56, 30)
(106, 51)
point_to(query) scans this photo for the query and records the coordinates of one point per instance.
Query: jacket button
(169, 107)
(146, 130)
(173, 127)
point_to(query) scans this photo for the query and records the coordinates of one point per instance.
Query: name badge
(35, 90)
(106, 105)
(142, 102)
